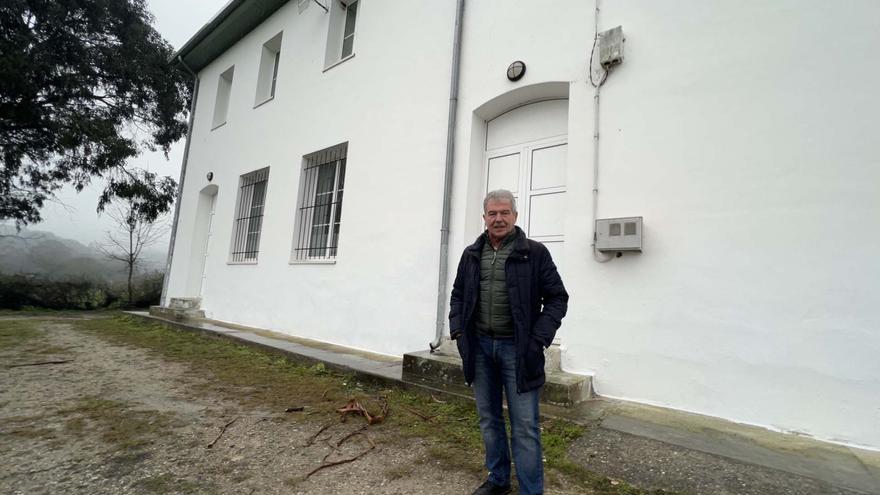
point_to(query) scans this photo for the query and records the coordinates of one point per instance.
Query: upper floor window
(340, 37)
(268, 76)
(221, 103)
(249, 216)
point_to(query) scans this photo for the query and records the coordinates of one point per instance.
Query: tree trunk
(130, 262)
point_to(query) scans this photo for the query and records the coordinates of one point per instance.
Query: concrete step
(177, 313)
(185, 303)
(442, 370)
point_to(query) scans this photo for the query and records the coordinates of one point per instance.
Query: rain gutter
(447, 182)
(192, 114)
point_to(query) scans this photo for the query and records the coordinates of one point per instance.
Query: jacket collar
(520, 243)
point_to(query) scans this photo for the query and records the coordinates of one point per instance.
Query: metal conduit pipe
(447, 181)
(597, 86)
(192, 113)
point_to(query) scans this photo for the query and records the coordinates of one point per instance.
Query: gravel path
(120, 420)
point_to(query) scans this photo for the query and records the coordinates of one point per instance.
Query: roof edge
(205, 30)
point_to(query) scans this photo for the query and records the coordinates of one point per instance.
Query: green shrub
(29, 290)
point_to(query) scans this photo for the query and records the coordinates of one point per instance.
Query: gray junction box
(619, 234)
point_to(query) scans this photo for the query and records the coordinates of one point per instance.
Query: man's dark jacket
(538, 302)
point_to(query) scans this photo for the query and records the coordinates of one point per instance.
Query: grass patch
(34, 433)
(399, 471)
(119, 425)
(235, 371)
(18, 333)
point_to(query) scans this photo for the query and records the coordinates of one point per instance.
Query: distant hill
(44, 253)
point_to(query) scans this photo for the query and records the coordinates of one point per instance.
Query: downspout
(447, 181)
(192, 113)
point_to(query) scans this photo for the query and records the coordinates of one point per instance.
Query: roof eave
(233, 22)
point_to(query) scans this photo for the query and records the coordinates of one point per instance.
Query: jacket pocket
(534, 361)
(462, 343)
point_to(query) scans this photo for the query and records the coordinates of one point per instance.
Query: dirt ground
(119, 419)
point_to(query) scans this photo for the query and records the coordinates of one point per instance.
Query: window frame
(303, 249)
(222, 98)
(247, 227)
(351, 7)
(336, 33)
(267, 75)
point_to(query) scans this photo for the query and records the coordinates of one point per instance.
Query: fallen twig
(423, 416)
(294, 409)
(227, 425)
(333, 449)
(314, 437)
(438, 400)
(337, 463)
(40, 363)
(355, 432)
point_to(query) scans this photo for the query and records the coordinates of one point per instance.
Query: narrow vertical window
(348, 32)
(249, 216)
(275, 73)
(221, 103)
(341, 33)
(267, 79)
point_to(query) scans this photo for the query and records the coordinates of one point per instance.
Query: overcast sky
(177, 21)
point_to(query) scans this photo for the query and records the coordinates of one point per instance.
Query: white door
(526, 153)
(207, 245)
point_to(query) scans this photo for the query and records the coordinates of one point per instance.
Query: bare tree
(134, 231)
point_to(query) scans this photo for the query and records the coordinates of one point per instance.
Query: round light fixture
(516, 70)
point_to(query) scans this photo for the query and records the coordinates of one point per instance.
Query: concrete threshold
(650, 447)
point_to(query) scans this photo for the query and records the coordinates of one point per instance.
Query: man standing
(507, 303)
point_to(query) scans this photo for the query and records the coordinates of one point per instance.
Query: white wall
(743, 133)
(381, 292)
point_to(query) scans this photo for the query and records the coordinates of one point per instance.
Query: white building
(744, 134)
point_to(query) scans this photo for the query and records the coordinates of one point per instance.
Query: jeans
(496, 371)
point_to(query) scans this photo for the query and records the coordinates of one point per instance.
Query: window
(249, 216)
(348, 31)
(268, 76)
(221, 104)
(321, 186)
(340, 38)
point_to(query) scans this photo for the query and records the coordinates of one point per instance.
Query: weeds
(120, 425)
(18, 333)
(449, 428)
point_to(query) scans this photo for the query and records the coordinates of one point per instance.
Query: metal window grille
(322, 184)
(249, 215)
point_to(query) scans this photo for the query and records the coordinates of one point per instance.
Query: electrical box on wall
(619, 234)
(611, 47)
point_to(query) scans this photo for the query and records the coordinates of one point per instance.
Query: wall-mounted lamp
(516, 70)
(210, 176)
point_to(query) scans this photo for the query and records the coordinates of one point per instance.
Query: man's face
(500, 218)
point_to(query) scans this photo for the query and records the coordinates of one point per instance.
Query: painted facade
(743, 133)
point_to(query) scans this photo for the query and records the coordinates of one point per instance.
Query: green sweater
(493, 304)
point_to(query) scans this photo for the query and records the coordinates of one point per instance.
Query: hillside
(44, 253)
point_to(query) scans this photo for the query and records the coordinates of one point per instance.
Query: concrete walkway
(649, 447)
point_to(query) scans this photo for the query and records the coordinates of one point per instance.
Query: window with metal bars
(321, 185)
(249, 216)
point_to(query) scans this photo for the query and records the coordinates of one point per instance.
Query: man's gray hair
(500, 195)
